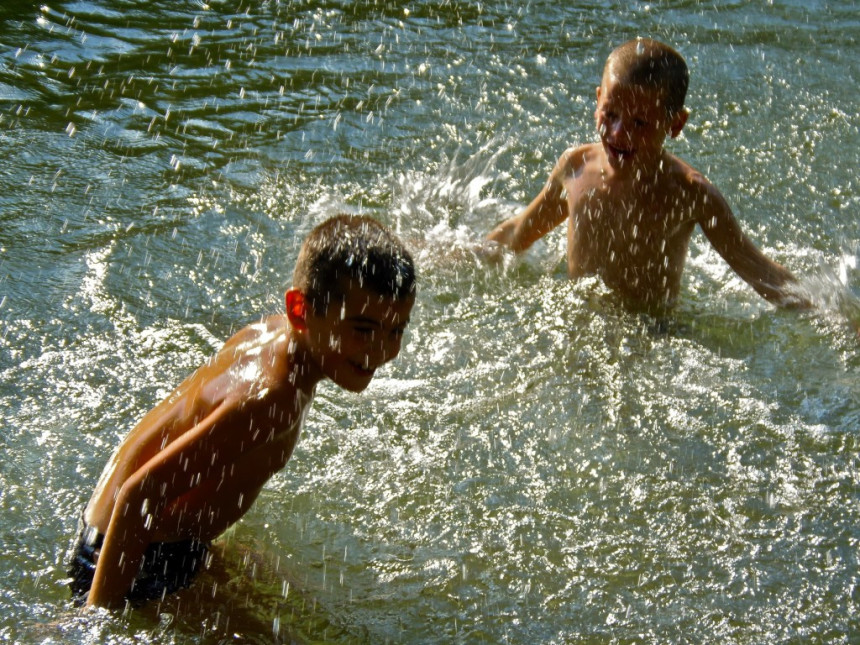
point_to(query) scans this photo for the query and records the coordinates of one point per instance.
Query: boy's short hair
(648, 62)
(352, 250)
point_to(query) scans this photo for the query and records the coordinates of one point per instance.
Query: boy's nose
(617, 130)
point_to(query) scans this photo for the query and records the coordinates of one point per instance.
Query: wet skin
(195, 463)
(631, 208)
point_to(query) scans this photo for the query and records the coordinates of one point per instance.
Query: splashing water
(539, 465)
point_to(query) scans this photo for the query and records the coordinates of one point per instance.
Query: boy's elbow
(783, 299)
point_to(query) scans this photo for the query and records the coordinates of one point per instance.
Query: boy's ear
(678, 122)
(297, 309)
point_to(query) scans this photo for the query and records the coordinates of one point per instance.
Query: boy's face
(633, 123)
(354, 338)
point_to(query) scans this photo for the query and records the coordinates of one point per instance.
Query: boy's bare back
(191, 468)
(246, 384)
(195, 464)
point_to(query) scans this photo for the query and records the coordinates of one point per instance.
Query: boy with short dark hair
(632, 207)
(195, 463)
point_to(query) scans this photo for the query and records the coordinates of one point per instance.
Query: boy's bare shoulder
(574, 160)
(253, 361)
(686, 174)
(256, 333)
(698, 188)
(575, 157)
(263, 346)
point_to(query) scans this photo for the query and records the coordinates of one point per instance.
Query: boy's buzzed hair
(357, 250)
(648, 62)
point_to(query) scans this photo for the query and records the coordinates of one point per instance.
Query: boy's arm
(204, 448)
(771, 280)
(547, 210)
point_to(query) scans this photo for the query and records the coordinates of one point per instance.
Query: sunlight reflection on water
(539, 465)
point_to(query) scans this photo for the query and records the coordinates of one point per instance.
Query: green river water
(538, 466)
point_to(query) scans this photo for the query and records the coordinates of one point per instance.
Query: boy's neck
(304, 373)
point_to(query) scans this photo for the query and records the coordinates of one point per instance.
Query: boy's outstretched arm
(546, 211)
(771, 280)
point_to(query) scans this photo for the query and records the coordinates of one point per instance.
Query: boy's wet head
(352, 252)
(353, 291)
(649, 63)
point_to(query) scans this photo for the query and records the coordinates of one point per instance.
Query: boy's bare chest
(627, 226)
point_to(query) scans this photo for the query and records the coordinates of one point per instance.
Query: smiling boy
(196, 462)
(632, 207)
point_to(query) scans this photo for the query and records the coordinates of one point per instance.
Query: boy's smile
(351, 341)
(617, 153)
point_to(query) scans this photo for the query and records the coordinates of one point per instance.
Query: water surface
(539, 466)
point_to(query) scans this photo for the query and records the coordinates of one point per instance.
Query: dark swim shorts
(167, 567)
